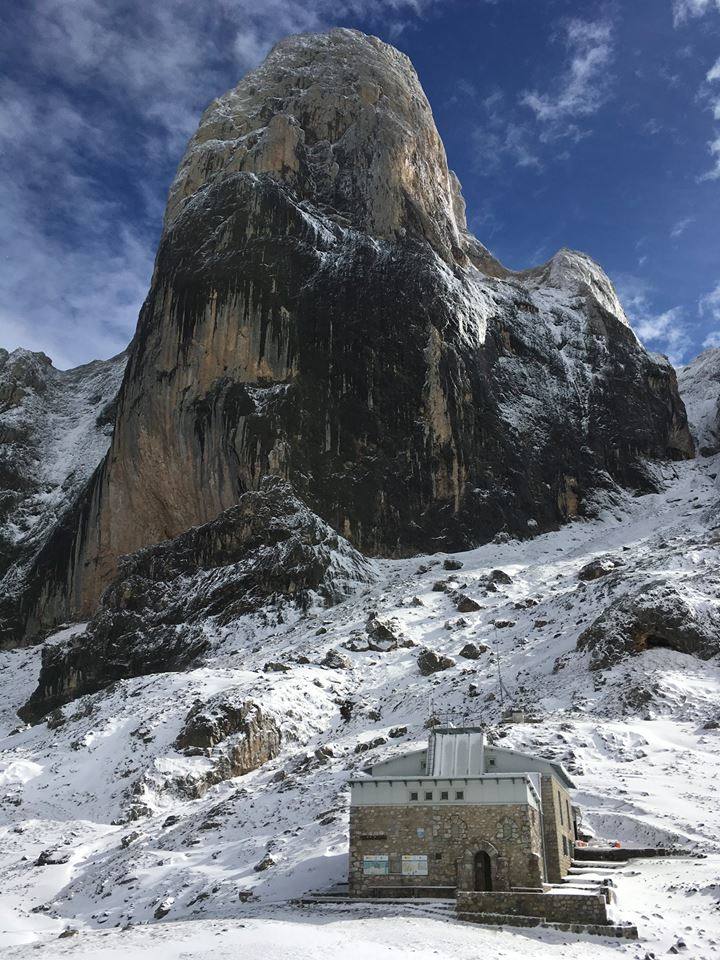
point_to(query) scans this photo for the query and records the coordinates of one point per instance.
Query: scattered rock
(163, 909)
(472, 651)
(502, 624)
(466, 604)
(499, 576)
(397, 732)
(440, 586)
(267, 861)
(451, 563)
(336, 661)
(385, 634)
(274, 666)
(430, 662)
(53, 857)
(364, 745)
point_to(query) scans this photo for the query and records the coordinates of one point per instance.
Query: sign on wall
(376, 866)
(415, 866)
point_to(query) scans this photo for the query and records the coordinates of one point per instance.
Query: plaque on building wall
(415, 866)
(376, 866)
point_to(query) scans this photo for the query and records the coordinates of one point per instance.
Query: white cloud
(687, 9)
(712, 339)
(504, 131)
(121, 85)
(665, 331)
(709, 305)
(680, 227)
(711, 93)
(583, 86)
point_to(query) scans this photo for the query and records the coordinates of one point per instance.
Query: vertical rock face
(55, 428)
(319, 311)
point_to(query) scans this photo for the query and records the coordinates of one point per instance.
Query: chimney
(456, 752)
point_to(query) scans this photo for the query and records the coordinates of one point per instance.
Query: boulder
(430, 662)
(276, 666)
(336, 660)
(499, 576)
(600, 567)
(385, 634)
(450, 563)
(473, 651)
(465, 604)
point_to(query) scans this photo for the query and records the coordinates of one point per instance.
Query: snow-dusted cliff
(319, 312)
(699, 382)
(55, 428)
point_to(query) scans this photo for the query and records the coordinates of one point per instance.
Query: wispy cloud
(684, 10)
(104, 99)
(680, 227)
(688, 9)
(711, 94)
(709, 308)
(505, 131)
(583, 86)
(498, 137)
(665, 331)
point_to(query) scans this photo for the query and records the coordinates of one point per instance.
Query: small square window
(413, 795)
(438, 856)
(459, 794)
(428, 795)
(444, 795)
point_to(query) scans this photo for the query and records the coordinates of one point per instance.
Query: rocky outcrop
(235, 732)
(655, 615)
(699, 384)
(269, 549)
(319, 311)
(55, 428)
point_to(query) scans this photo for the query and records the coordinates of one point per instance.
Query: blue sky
(593, 125)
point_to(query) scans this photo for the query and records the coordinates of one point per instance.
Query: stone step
(597, 864)
(622, 854)
(501, 919)
(626, 932)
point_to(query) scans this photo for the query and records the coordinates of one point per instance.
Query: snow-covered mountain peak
(577, 274)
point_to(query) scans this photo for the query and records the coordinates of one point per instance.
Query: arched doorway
(482, 873)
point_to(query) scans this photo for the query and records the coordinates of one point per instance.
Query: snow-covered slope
(699, 383)
(128, 829)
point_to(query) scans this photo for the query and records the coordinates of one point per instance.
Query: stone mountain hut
(459, 815)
